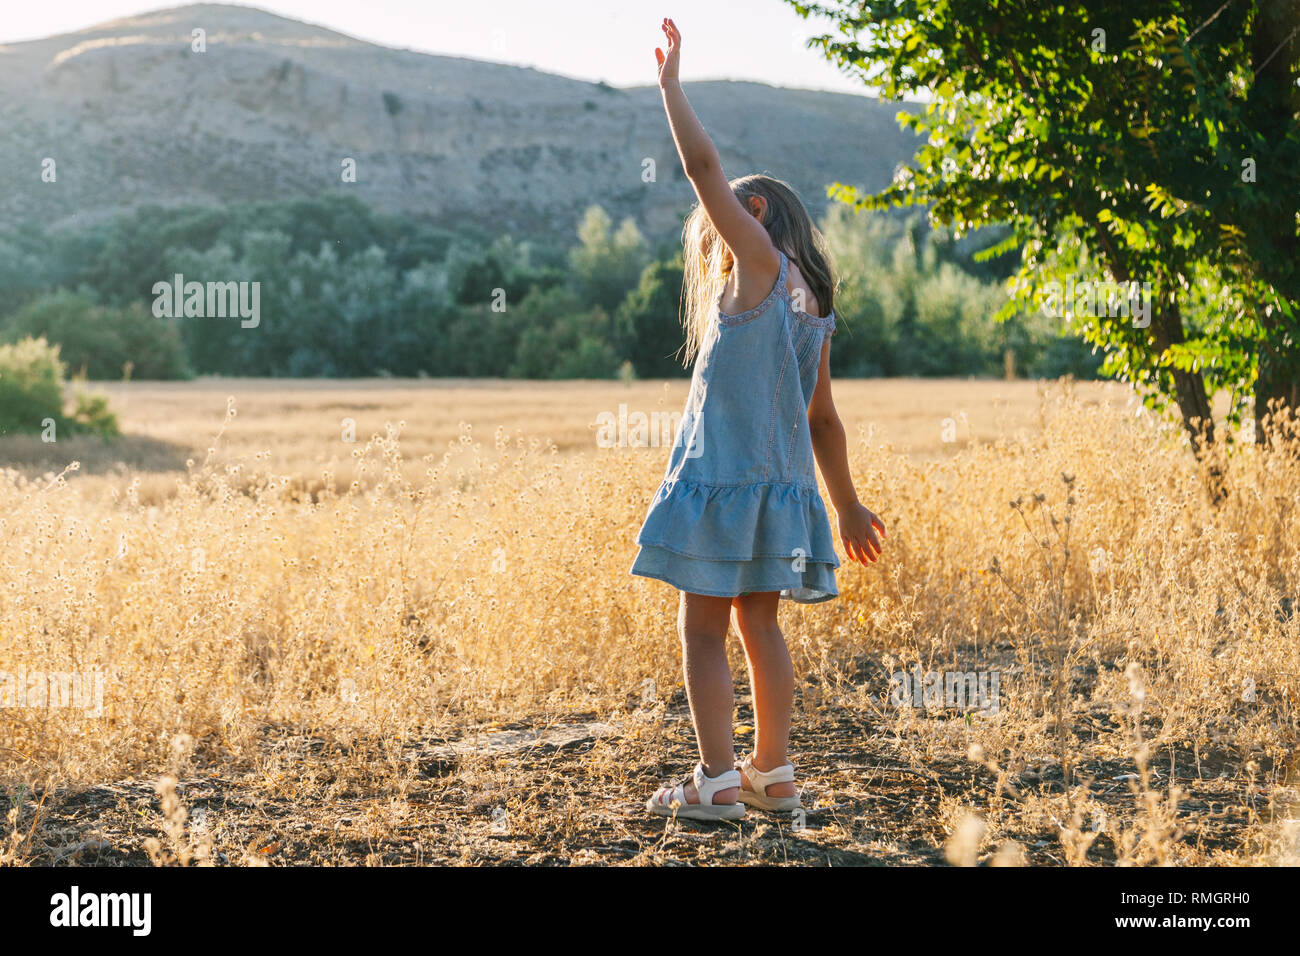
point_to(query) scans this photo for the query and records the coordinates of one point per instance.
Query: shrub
(91, 414)
(31, 386)
(31, 393)
(101, 342)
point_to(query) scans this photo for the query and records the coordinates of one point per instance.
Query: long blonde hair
(708, 262)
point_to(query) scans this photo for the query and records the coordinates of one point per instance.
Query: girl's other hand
(668, 63)
(858, 527)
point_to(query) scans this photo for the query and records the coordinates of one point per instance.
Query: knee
(694, 635)
(756, 615)
(760, 630)
(754, 621)
(702, 620)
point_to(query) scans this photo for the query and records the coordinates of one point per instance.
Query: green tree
(606, 263)
(560, 339)
(101, 342)
(1111, 138)
(648, 322)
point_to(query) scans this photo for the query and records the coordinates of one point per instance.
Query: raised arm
(744, 235)
(859, 527)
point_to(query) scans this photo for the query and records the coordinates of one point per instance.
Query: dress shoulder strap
(779, 291)
(782, 277)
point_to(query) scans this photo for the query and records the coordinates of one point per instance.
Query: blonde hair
(708, 262)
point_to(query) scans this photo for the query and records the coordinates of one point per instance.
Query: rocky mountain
(131, 113)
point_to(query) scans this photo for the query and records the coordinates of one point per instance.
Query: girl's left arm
(858, 525)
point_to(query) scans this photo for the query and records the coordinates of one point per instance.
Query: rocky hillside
(130, 114)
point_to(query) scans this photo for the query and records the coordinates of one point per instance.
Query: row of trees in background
(348, 291)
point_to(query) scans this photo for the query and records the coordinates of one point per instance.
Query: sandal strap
(708, 786)
(674, 793)
(762, 779)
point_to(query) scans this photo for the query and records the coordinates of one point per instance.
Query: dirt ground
(571, 793)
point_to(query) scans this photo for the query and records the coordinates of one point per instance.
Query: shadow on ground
(33, 458)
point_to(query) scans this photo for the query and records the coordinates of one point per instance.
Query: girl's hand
(858, 527)
(668, 64)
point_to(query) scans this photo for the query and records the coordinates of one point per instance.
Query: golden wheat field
(424, 646)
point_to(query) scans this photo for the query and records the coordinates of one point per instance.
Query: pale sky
(610, 40)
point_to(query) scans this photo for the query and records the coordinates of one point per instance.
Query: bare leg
(771, 679)
(702, 623)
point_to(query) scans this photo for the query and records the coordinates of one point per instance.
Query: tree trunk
(1193, 402)
(1189, 387)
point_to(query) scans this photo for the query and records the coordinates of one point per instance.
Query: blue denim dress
(738, 510)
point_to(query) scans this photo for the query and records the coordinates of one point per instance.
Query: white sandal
(762, 779)
(671, 801)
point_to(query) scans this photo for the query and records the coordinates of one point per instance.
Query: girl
(738, 523)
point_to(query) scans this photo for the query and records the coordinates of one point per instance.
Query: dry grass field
(423, 646)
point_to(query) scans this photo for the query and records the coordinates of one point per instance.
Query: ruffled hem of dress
(814, 584)
(762, 520)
